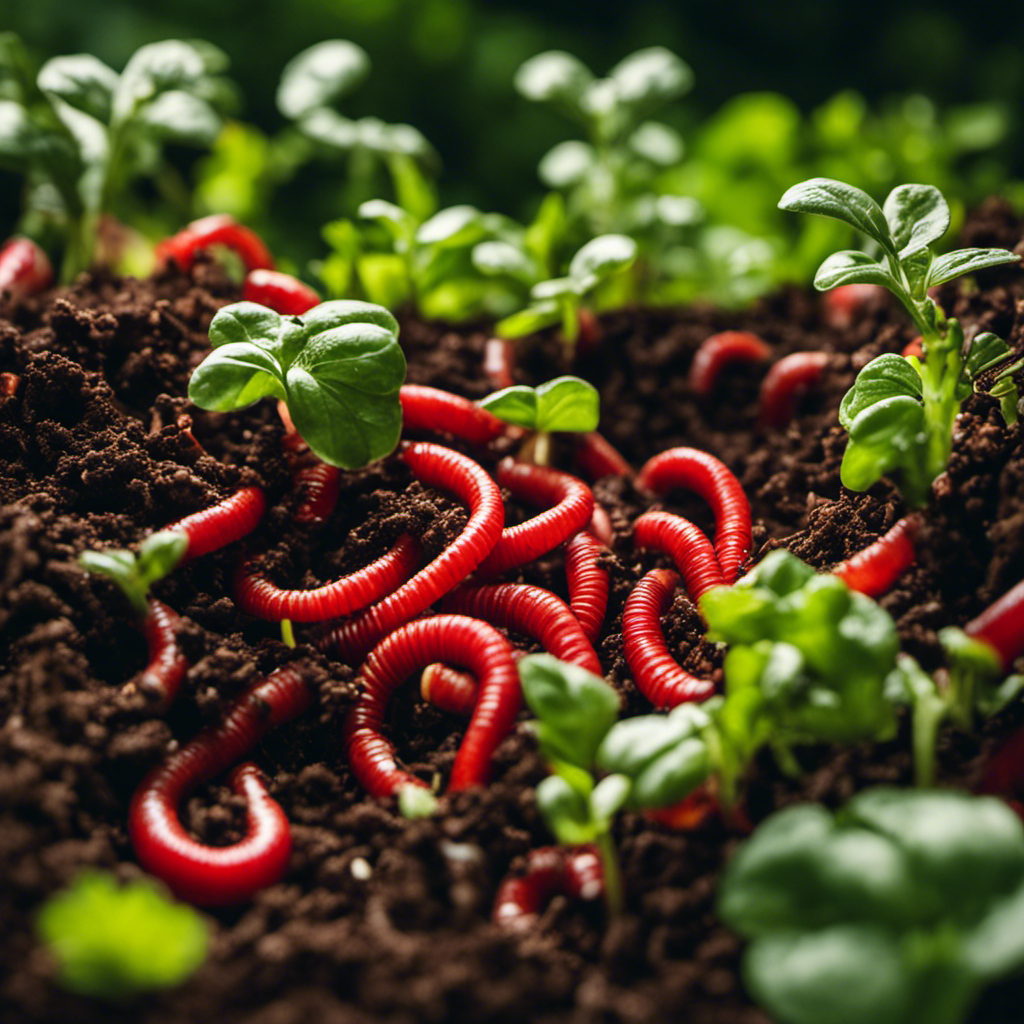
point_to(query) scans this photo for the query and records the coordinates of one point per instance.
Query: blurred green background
(446, 66)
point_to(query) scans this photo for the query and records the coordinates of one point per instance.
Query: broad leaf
(182, 117)
(553, 76)
(566, 164)
(917, 215)
(851, 267)
(156, 68)
(499, 258)
(987, 351)
(649, 76)
(455, 225)
(234, 376)
(565, 811)
(83, 81)
(886, 376)
(319, 75)
(967, 261)
(568, 404)
(831, 198)
(603, 256)
(609, 797)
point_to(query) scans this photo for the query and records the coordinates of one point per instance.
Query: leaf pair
(158, 555)
(338, 368)
(568, 404)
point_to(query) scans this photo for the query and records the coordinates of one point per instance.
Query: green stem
(929, 711)
(614, 896)
(287, 633)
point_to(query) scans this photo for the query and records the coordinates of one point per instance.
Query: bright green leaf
(917, 215)
(835, 199)
(851, 267)
(318, 76)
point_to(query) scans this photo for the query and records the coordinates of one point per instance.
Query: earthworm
(217, 229)
(221, 524)
(292, 439)
(256, 595)
(787, 377)
(24, 268)
(9, 384)
(282, 293)
(431, 409)
(527, 609)
(842, 305)
(162, 677)
(1001, 625)
(875, 569)
(694, 470)
(686, 544)
(214, 876)
(658, 676)
(550, 871)
(319, 486)
(601, 525)
(571, 504)
(721, 350)
(450, 638)
(588, 583)
(590, 330)
(446, 470)
(497, 365)
(597, 457)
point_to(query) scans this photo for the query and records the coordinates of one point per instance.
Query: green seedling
(81, 133)
(900, 411)
(114, 942)
(338, 368)
(158, 555)
(565, 404)
(901, 908)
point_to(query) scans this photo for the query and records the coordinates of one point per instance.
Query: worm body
(601, 526)
(283, 293)
(24, 268)
(222, 524)
(10, 383)
(217, 229)
(686, 544)
(588, 583)
(448, 471)
(550, 871)
(700, 472)
(319, 486)
(167, 668)
(571, 506)
(214, 876)
(439, 411)
(843, 305)
(721, 350)
(658, 676)
(875, 569)
(498, 362)
(1002, 625)
(784, 380)
(466, 642)
(597, 457)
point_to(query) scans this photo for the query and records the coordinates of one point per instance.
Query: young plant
(561, 299)
(338, 368)
(81, 133)
(900, 908)
(158, 555)
(567, 404)
(900, 411)
(115, 941)
(575, 709)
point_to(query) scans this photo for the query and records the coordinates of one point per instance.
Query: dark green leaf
(887, 376)
(319, 75)
(831, 198)
(895, 420)
(987, 351)
(967, 261)
(673, 775)
(566, 812)
(83, 81)
(995, 946)
(851, 267)
(917, 215)
(234, 376)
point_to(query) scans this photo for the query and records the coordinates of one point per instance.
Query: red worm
(596, 457)
(223, 523)
(1002, 625)
(282, 293)
(214, 876)
(658, 676)
(550, 871)
(588, 583)
(689, 813)
(431, 409)
(713, 481)
(452, 638)
(24, 268)
(719, 351)
(162, 677)
(446, 470)
(256, 595)
(531, 610)
(292, 439)
(319, 485)
(875, 569)
(590, 330)
(915, 348)
(217, 229)
(784, 380)
(9, 384)
(601, 526)
(498, 362)
(571, 506)
(842, 305)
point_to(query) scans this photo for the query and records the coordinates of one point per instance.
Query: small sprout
(416, 802)
(158, 554)
(338, 368)
(900, 412)
(114, 941)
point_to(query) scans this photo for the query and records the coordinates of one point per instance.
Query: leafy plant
(901, 908)
(114, 941)
(338, 368)
(900, 412)
(158, 554)
(567, 404)
(81, 133)
(575, 710)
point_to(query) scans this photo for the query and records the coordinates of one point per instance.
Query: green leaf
(738, 614)
(416, 802)
(987, 351)
(831, 198)
(568, 404)
(456, 225)
(182, 117)
(673, 775)
(112, 941)
(917, 215)
(566, 812)
(318, 76)
(609, 797)
(652, 75)
(779, 571)
(83, 81)
(851, 267)
(842, 975)
(516, 405)
(553, 76)
(995, 946)
(234, 376)
(566, 164)
(498, 258)
(968, 652)
(657, 143)
(576, 707)
(967, 261)
(330, 129)
(601, 257)
(247, 322)
(887, 376)
(159, 554)
(631, 745)
(122, 568)
(156, 68)
(893, 420)
(536, 317)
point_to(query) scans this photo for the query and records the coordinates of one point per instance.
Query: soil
(93, 454)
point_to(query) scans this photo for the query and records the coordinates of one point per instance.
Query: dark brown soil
(92, 455)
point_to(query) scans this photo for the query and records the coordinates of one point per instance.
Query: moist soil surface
(379, 918)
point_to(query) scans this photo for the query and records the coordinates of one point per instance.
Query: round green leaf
(566, 164)
(453, 226)
(245, 322)
(319, 75)
(673, 775)
(917, 216)
(651, 75)
(553, 76)
(894, 420)
(155, 68)
(568, 404)
(181, 117)
(603, 256)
